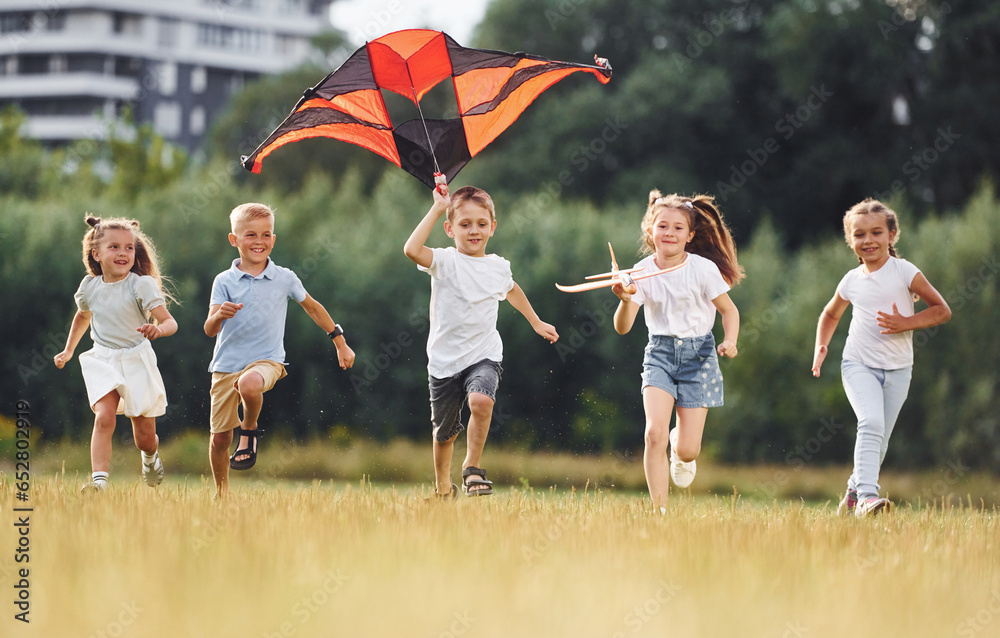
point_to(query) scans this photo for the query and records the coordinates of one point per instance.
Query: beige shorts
(226, 398)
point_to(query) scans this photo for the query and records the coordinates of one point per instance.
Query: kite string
(430, 145)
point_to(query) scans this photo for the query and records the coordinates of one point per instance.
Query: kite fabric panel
(492, 89)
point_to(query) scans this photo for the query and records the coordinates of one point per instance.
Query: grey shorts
(448, 395)
(687, 368)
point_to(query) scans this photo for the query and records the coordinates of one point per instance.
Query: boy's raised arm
(519, 300)
(416, 246)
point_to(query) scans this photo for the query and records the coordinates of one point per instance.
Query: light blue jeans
(877, 396)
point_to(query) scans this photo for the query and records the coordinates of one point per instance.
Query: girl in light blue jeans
(878, 355)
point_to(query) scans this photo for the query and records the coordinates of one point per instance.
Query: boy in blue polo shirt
(247, 313)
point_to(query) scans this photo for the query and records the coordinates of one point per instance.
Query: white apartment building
(74, 65)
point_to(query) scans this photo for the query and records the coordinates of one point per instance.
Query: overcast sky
(364, 20)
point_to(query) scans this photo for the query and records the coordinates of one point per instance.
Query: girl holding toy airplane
(681, 368)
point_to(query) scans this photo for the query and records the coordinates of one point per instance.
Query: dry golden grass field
(284, 558)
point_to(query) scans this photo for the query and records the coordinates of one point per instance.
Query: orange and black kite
(492, 88)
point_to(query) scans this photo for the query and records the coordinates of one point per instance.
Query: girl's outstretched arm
(81, 321)
(165, 325)
(936, 312)
(828, 320)
(730, 324)
(626, 311)
(519, 300)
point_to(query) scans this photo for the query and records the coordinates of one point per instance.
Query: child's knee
(250, 384)
(480, 404)
(657, 434)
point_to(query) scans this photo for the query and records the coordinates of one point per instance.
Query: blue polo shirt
(257, 331)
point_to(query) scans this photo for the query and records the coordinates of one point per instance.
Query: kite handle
(440, 180)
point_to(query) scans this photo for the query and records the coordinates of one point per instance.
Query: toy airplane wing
(660, 272)
(621, 277)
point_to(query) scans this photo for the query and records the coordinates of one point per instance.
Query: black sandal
(248, 463)
(474, 482)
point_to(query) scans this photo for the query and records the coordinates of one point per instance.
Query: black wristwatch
(337, 331)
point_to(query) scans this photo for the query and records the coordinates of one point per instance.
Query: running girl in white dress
(119, 300)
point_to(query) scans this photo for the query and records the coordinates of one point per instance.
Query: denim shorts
(448, 395)
(687, 368)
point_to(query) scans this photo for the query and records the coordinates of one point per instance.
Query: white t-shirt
(465, 297)
(118, 308)
(679, 303)
(869, 293)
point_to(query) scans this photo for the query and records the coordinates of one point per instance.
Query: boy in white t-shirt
(464, 349)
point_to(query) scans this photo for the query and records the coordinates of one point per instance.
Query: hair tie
(688, 205)
(658, 201)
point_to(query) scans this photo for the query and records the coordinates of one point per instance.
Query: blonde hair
(712, 237)
(251, 210)
(870, 206)
(146, 262)
(475, 195)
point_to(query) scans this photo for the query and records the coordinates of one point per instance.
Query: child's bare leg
(690, 427)
(442, 464)
(144, 432)
(659, 405)
(105, 413)
(481, 414)
(218, 456)
(251, 389)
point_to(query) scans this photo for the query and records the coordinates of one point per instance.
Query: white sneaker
(680, 472)
(152, 474)
(94, 487)
(871, 506)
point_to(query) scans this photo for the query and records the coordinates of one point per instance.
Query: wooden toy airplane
(616, 276)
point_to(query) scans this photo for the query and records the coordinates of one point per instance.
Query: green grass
(325, 558)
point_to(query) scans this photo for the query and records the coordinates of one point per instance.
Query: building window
(216, 36)
(167, 119)
(167, 78)
(127, 24)
(57, 64)
(196, 123)
(168, 33)
(199, 79)
(15, 22)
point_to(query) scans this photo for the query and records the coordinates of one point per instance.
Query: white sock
(663, 510)
(148, 460)
(100, 477)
